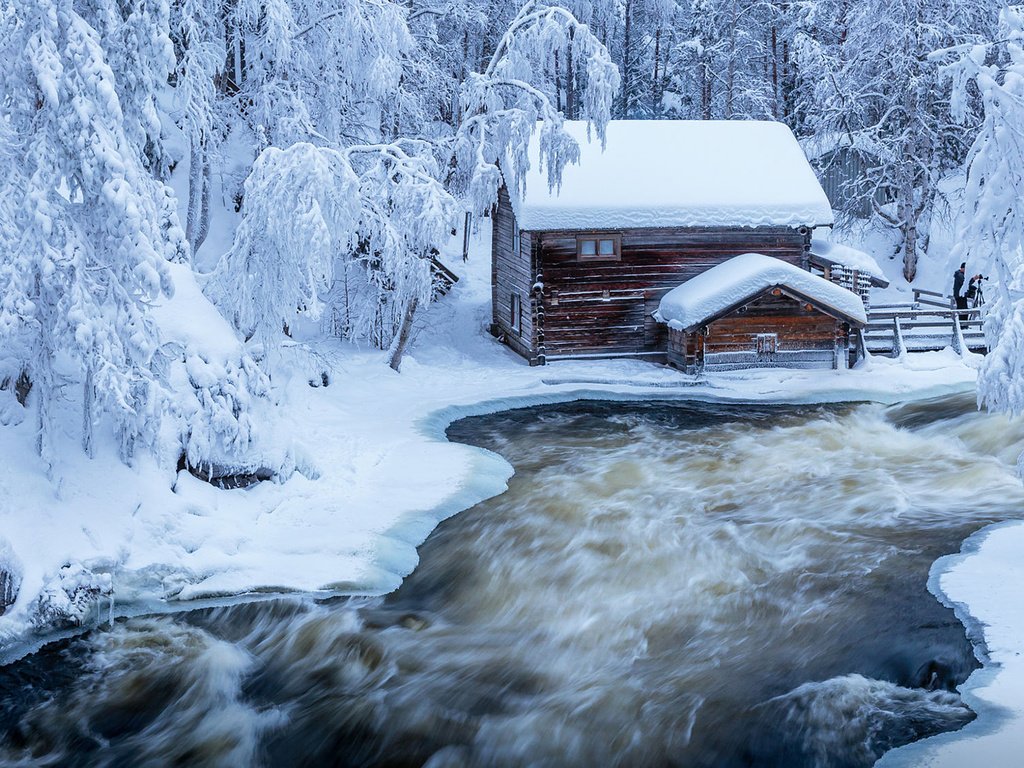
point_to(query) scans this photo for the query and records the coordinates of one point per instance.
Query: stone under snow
(743, 277)
(677, 173)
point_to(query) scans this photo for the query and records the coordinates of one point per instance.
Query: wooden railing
(932, 299)
(894, 329)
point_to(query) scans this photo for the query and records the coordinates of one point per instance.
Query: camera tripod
(979, 296)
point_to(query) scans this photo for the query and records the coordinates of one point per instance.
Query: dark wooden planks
(511, 273)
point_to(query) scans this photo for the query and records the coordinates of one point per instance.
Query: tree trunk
(195, 190)
(204, 204)
(570, 78)
(558, 84)
(403, 335)
(776, 95)
(197, 223)
(88, 398)
(908, 227)
(730, 77)
(655, 96)
(910, 253)
(627, 60)
(705, 90)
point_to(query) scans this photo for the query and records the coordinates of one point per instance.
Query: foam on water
(661, 584)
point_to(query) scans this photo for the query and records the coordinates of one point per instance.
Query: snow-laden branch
(505, 103)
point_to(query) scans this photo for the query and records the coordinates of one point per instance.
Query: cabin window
(516, 313)
(516, 240)
(766, 345)
(599, 247)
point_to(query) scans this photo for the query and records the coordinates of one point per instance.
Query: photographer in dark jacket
(959, 295)
(958, 286)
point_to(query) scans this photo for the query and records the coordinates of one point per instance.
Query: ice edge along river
(981, 584)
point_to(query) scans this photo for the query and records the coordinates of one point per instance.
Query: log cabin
(579, 270)
(758, 311)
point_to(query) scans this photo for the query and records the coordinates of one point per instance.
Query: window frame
(596, 238)
(515, 307)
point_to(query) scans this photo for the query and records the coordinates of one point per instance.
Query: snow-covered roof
(848, 257)
(677, 173)
(743, 277)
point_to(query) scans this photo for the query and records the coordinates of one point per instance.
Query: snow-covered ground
(373, 475)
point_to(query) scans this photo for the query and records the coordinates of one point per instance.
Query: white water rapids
(662, 584)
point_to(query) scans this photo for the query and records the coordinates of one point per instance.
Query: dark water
(663, 584)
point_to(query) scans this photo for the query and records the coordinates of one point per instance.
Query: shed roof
(677, 173)
(741, 278)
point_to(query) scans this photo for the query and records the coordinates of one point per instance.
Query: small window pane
(588, 247)
(516, 312)
(607, 248)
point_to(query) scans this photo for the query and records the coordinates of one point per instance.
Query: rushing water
(662, 584)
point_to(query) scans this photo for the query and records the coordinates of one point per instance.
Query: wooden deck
(927, 324)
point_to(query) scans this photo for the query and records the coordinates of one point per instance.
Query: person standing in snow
(958, 286)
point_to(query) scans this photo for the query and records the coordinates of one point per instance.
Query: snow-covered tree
(992, 233)
(503, 104)
(355, 213)
(87, 230)
(199, 31)
(870, 79)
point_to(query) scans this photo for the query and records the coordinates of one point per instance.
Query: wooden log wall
(512, 272)
(809, 337)
(798, 328)
(604, 307)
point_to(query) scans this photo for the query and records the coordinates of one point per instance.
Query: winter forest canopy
(345, 141)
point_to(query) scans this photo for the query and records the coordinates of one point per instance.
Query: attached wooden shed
(756, 311)
(578, 271)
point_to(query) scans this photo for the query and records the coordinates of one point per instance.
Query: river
(664, 583)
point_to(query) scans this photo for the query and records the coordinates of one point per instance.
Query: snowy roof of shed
(731, 283)
(677, 173)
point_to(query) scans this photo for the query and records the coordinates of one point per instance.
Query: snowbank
(677, 173)
(743, 277)
(982, 584)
